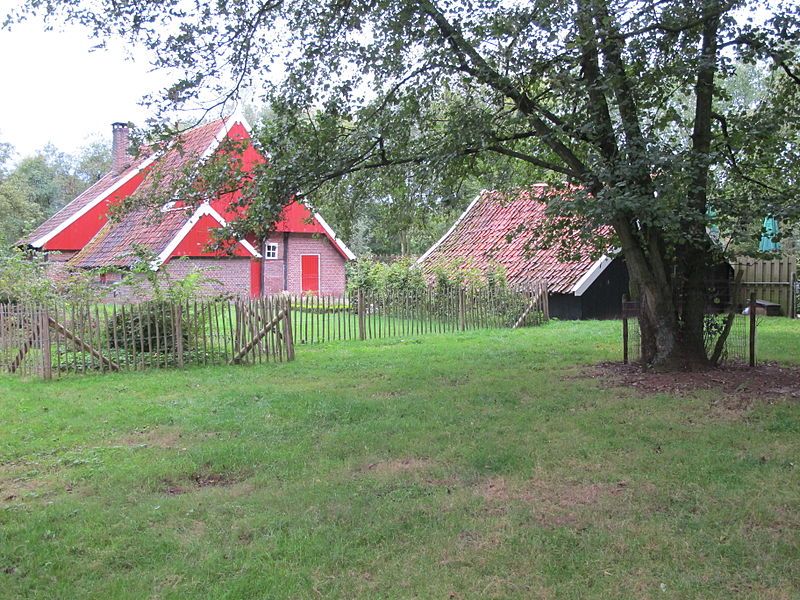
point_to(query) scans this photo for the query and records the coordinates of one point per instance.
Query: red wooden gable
(83, 224)
(81, 231)
(297, 218)
(198, 239)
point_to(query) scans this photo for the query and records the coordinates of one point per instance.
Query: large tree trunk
(672, 339)
(672, 308)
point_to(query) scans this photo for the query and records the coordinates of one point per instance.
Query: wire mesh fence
(735, 349)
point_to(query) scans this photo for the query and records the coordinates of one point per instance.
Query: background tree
(41, 184)
(18, 212)
(619, 98)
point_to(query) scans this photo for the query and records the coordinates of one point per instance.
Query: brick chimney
(120, 159)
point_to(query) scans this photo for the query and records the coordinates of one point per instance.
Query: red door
(310, 273)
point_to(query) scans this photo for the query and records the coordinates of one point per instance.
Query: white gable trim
(428, 252)
(202, 211)
(588, 278)
(342, 246)
(227, 125)
(236, 117)
(40, 242)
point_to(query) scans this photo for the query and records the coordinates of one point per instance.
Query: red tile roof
(183, 153)
(498, 229)
(113, 244)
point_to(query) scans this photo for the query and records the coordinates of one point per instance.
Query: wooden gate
(263, 331)
(21, 341)
(48, 341)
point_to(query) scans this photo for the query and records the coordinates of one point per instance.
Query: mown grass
(473, 465)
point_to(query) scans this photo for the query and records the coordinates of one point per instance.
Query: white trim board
(203, 210)
(588, 278)
(40, 242)
(421, 259)
(227, 124)
(332, 235)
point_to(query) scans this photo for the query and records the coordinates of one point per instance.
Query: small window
(272, 251)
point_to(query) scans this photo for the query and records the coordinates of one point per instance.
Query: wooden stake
(624, 331)
(83, 345)
(752, 332)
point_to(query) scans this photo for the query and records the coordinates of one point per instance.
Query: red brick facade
(230, 276)
(332, 271)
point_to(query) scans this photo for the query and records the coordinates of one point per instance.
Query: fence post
(362, 334)
(44, 328)
(546, 296)
(624, 331)
(461, 310)
(752, 315)
(177, 319)
(287, 331)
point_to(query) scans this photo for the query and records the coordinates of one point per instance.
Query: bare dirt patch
(401, 465)
(739, 385)
(164, 438)
(554, 503)
(158, 437)
(16, 486)
(198, 481)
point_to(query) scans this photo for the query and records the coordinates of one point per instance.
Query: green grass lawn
(475, 465)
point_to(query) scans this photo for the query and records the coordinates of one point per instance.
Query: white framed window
(271, 251)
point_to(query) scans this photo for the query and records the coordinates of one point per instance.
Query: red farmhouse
(302, 256)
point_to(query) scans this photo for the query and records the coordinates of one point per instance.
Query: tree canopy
(39, 185)
(628, 102)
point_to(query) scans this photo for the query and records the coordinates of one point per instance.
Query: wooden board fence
(55, 340)
(770, 280)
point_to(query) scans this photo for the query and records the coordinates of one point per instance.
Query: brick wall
(332, 271)
(273, 268)
(225, 276)
(55, 267)
(231, 275)
(228, 275)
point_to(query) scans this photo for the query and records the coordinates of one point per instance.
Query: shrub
(151, 326)
(460, 273)
(23, 277)
(381, 278)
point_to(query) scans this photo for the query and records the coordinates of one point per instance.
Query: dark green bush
(149, 327)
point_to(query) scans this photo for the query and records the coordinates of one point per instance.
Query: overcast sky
(56, 90)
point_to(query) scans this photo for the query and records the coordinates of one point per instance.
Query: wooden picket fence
(365, 315)
(49, 341)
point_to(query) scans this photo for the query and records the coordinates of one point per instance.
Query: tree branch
(474, 64)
